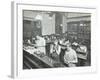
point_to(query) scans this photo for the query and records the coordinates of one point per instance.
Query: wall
(64, 24)
(70, 17)
(48, 24)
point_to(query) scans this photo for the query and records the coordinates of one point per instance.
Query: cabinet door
(27, 28)
(36, 28)
(31, 28)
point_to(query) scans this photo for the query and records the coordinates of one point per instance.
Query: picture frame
(17, 41)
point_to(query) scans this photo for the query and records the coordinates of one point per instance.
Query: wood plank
(33, 62)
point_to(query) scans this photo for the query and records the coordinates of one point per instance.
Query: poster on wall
(51, 40)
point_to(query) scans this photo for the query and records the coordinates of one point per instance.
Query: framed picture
(52, 40)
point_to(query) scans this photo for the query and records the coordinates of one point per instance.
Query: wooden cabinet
(31, 28)
(79, 29)
(27, 29)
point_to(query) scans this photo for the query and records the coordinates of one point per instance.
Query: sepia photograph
(54, 39)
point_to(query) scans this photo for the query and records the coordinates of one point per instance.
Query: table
(45, 59)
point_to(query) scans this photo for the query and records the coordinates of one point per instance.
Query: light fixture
(38, 17)
(61, 25)
(81, 24)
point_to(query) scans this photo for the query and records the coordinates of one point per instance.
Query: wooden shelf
(80, 28)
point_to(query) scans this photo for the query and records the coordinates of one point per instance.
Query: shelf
(81, 29)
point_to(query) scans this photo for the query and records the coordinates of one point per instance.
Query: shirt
(40, 43)
(70, 56)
